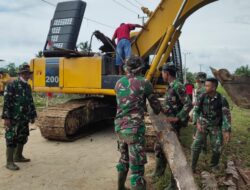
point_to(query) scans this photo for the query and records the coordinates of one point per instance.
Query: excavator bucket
(237, 87)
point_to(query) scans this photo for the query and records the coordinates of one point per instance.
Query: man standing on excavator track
(18, 112)
(123, 48)
(131, 91)
(176, 107)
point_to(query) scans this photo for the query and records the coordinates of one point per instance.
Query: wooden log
(150, 135)
(244, 177)
(208, 181)
(173, 151)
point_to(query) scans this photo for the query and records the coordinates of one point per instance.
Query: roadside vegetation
(238, 149)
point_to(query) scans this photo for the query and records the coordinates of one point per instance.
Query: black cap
(25, 68)
(201, 76)
(134, 64)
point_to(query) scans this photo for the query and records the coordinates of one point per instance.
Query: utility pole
(185, 65)
(200, 67)
(143, 18)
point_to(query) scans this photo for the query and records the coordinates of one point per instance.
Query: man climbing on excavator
(123, 49)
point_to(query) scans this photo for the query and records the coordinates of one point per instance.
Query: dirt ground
(86, 164)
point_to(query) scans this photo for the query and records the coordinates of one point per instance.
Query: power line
(88, 19)
(97, 22)
(139, 3)
(125, 7)
(49, 3)
(134, 5)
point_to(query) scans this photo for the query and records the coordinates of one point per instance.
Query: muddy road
(86, 164)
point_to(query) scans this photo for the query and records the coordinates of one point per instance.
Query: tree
(190, 77)
(84, 47)
(39, 54)
(243, 71)
(12, 69)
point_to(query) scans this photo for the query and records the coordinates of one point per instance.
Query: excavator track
(71, 120)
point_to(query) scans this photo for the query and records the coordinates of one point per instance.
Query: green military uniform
(131, 91)
(198, 91)
(213, 114)
(19, 109)
(177, 104)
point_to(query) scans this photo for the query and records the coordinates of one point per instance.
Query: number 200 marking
(52, 79)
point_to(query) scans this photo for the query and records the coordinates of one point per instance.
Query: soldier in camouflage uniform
(199, 86)
(18, 111)
(176, 107)
(199, 89)
(131, 91)
(213, 119)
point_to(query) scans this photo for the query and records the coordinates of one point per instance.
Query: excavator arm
(163, 29)
(237, 87)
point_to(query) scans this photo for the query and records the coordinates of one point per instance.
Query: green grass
(238, 148)
(41, 100)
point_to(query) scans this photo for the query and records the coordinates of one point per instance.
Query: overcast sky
(218, 35)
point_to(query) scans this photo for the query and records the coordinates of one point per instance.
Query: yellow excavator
(65, 70)
(5, 78)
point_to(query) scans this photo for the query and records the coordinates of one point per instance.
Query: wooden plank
(173, 151)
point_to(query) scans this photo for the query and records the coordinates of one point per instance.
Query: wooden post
(173, 151)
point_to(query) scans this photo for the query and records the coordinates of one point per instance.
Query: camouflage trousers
(131, 145)
(17, 133)
(216, 139)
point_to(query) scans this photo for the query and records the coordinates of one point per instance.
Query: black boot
(122, 176)
(9, 155)
(18, 156)
(141, 186)
(160, 167)
(172, 184)
(215, 161)
(195, 157)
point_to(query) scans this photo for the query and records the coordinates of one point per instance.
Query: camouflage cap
(134, 64)
(168, 66)
(201, 76)
(25, 68)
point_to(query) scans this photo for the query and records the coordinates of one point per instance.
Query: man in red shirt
(123, 49)
(189, 90)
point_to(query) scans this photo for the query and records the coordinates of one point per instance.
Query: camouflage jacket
(131, 93)
(177, 102)
(213, 112)
(18, 102)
